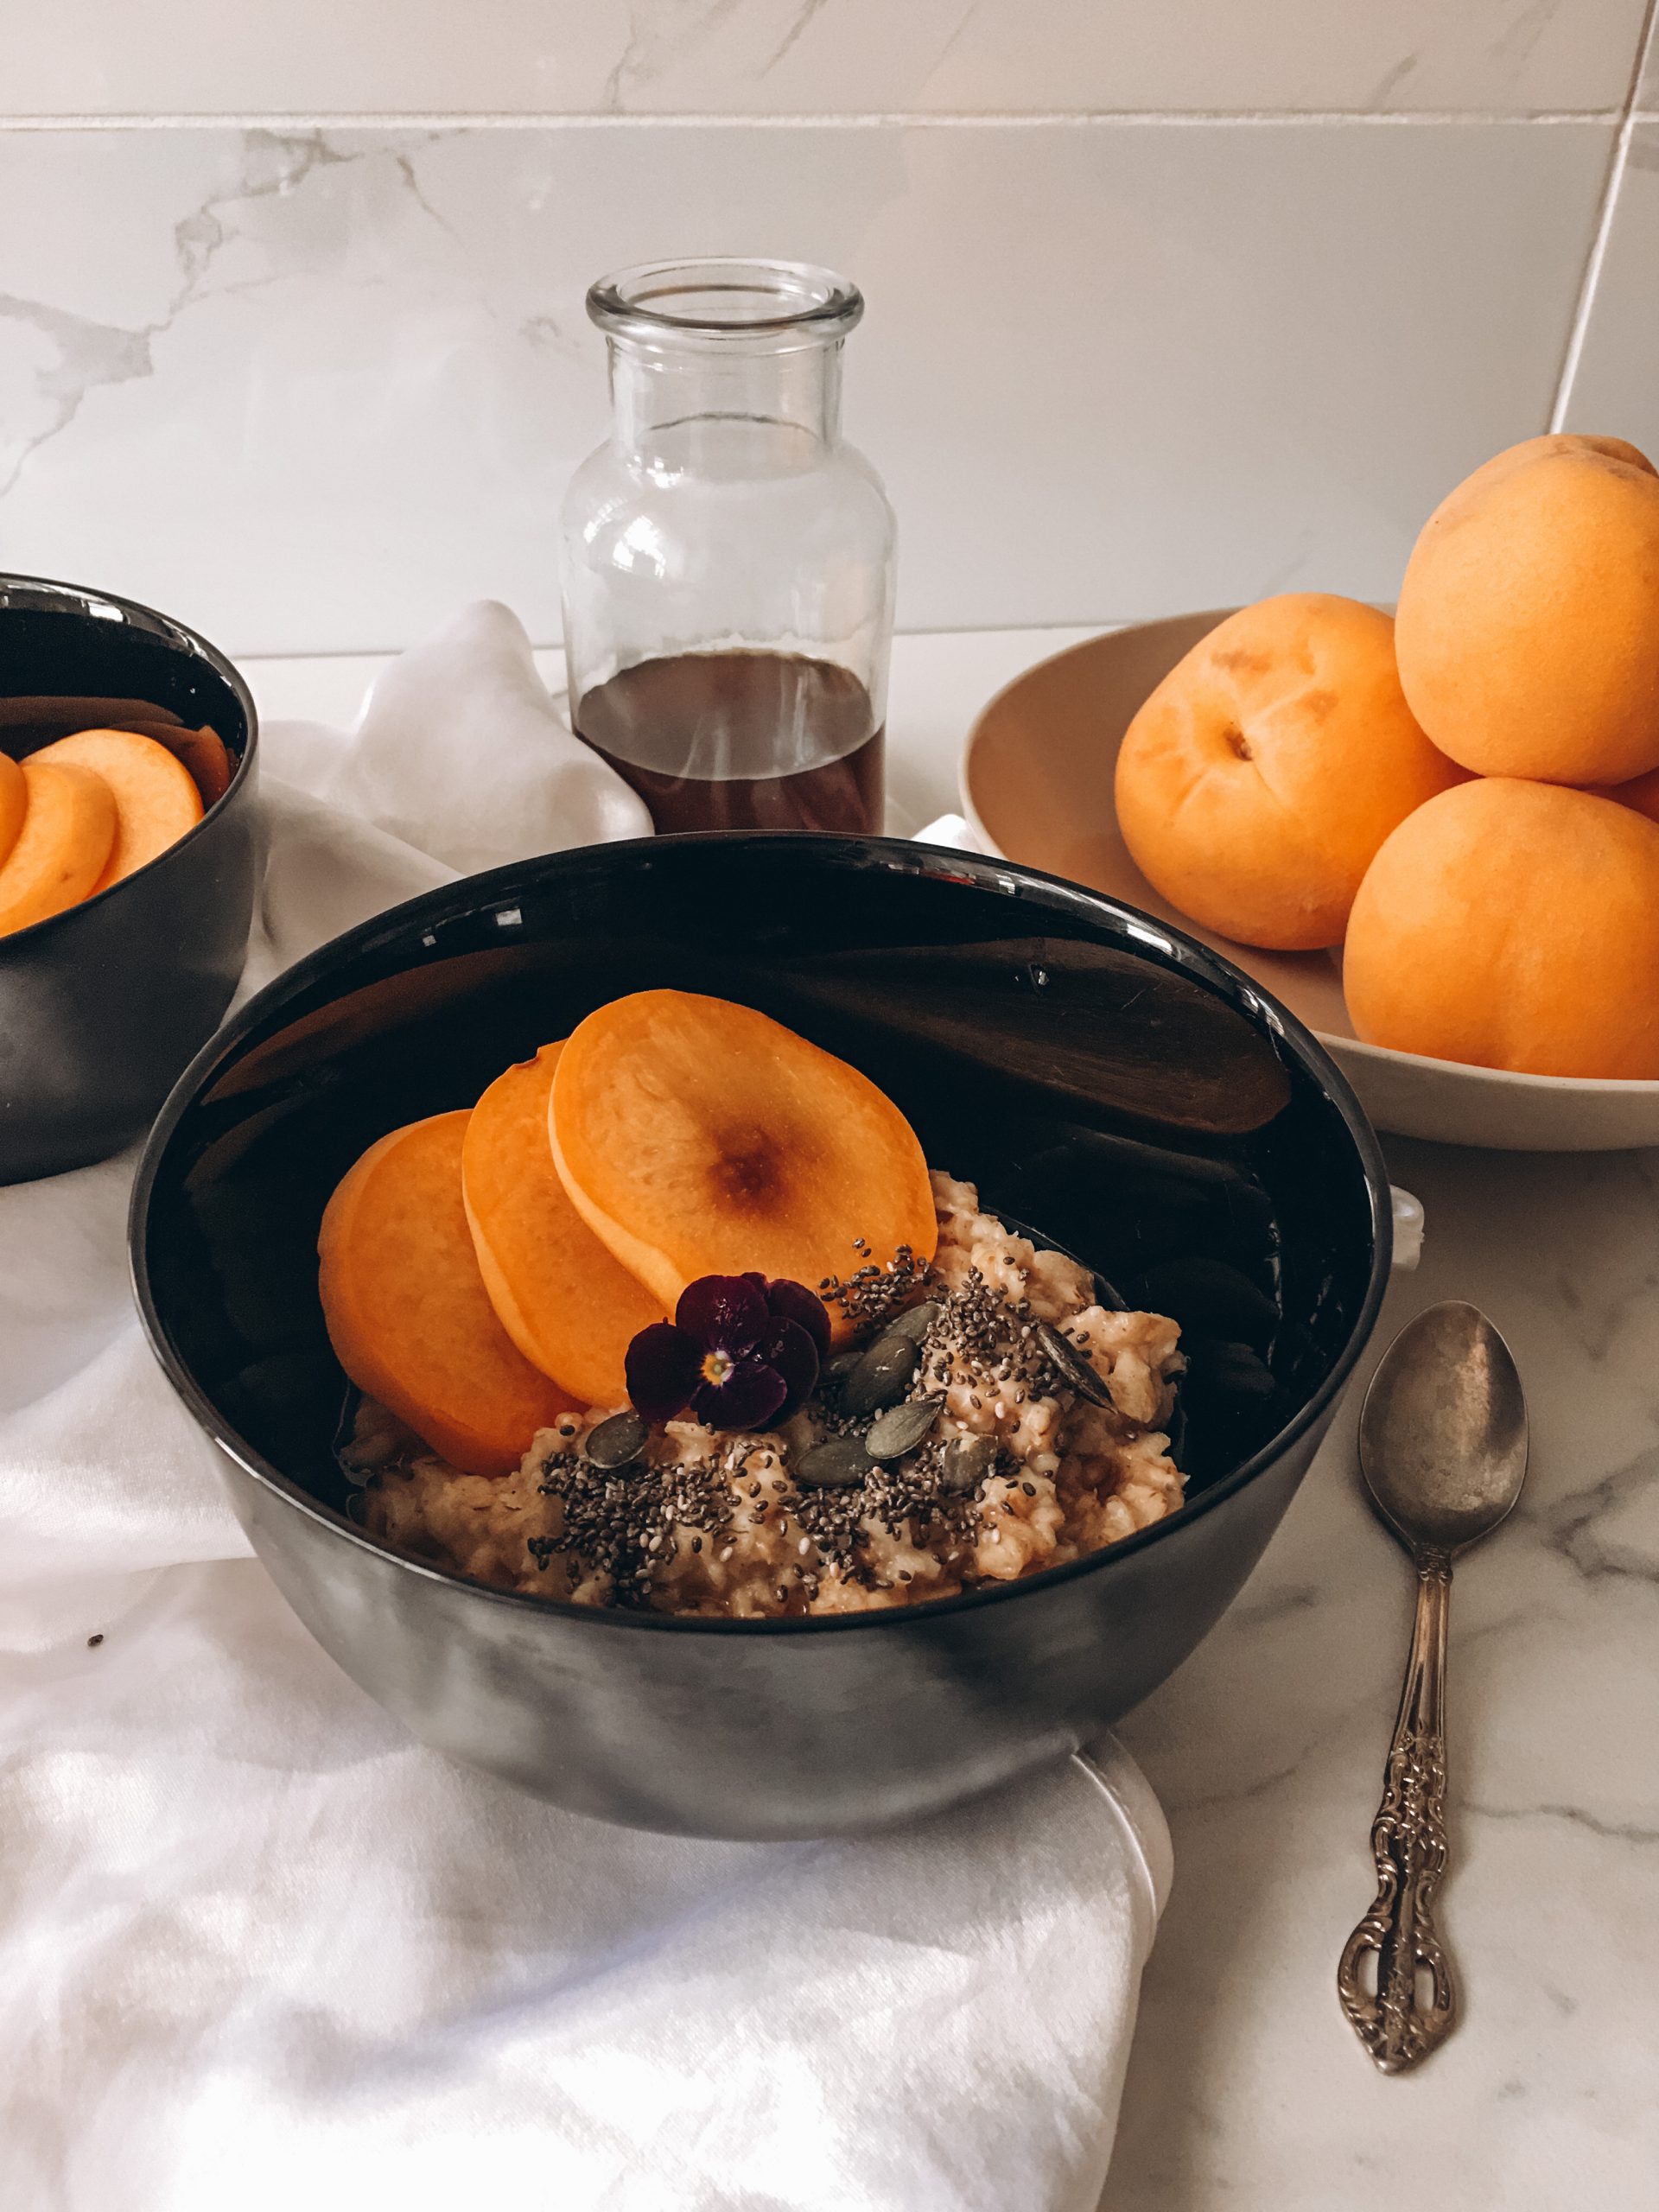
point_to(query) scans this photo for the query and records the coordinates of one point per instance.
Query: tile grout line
(1606, 217)
(1074, 118)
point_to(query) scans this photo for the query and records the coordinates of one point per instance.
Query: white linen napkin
(953, 831)
(259, 1949)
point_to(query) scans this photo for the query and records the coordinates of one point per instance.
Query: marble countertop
(1247, 2091)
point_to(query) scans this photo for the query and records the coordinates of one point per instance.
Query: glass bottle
(727, 558)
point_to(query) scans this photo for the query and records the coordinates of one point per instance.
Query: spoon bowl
(1443, 1431)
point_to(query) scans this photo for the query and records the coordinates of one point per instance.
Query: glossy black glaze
(1100, 1077)
(102, 1007)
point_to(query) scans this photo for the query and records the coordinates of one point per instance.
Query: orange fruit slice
(156, 795)
(14, 803)
(570, 1308)
(407, 1312)
(698, 1137)
(67, 833)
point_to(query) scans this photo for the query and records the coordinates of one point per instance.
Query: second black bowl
(1098, 1075)
(101, 1006)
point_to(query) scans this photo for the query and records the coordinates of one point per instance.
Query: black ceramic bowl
(1099, 1076)
(102, 1007)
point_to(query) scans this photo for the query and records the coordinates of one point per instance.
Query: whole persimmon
(1512, 924)
(1528, 629)
(1258, 780)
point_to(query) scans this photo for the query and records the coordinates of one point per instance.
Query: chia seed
(635, 1526)
(871, 1295)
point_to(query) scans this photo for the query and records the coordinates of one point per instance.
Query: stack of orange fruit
(1465, 797)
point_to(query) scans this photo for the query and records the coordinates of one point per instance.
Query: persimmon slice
(68, 832)
(570, 1308)
(156, 795)
(203, 751)
(408, 1315)
(14, 803)
(698, 1137)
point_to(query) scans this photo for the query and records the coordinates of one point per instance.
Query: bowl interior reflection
(74, 660)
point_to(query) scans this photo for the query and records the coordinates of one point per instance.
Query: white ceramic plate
(1036, 783)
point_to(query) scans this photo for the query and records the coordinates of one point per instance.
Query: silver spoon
(1443, 1447)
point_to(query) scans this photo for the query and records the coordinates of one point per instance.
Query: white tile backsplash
(1616, 389)
(785, 57)
(310, 391)
(1169, 304)
(1647, 89)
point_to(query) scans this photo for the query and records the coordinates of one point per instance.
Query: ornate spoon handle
(1397, 2025)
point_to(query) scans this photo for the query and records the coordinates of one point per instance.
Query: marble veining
(86, 354)
(805, 57)
(364, 352)
(1246, 2087)
(79, 355)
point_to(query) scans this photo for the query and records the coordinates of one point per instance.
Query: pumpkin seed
(881, 1376)
(917, 1321)
(838, 1369)
(619, 1441)
(901, 1428)
(1071, 1366)
(966, 1461)
(835, 1464)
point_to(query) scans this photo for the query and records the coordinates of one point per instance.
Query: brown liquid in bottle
(708, 740)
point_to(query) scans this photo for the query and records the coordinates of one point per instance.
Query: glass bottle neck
(742, 410)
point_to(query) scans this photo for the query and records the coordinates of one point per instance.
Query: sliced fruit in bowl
(568, 1306)
(699, 1137)
(407, 1312)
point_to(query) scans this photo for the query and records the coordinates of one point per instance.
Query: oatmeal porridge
(988, 1419)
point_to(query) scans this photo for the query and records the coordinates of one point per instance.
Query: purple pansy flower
(741, 1352)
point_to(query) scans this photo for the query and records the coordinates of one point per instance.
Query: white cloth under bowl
(258, 1949)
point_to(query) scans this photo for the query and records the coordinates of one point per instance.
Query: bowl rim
(47, 595)
(1466, 1072)
(471, 894)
